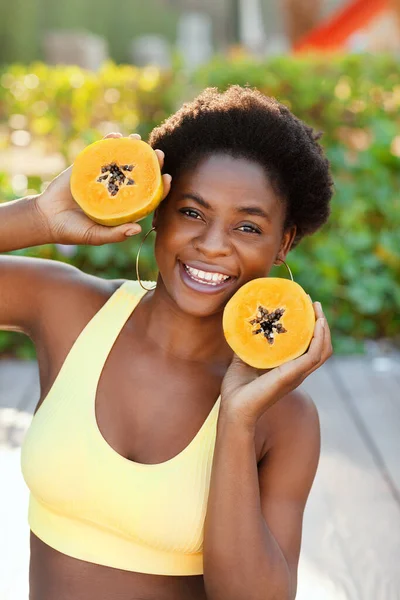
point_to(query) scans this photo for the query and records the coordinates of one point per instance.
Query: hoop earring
(290, 272)
(137, 262)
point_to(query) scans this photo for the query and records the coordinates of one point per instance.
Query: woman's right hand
(66, 221)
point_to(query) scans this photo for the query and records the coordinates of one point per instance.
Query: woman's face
(221, 219)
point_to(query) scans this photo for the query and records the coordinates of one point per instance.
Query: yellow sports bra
(91, 503)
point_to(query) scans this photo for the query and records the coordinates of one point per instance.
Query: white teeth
(206, 277)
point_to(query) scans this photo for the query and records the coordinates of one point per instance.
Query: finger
(136, 136)
(319, 313)
(100, 234)
(160, 156)
(303, 366)
(114, 134)
(291, 374)
(315, 350)
(166, 184)
(300, 368)
(132, 229)
(328, 349)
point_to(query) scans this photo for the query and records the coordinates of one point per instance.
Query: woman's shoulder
(291, 421)
(87, 291)
(68, 306)
(74, 302)
(94, 289)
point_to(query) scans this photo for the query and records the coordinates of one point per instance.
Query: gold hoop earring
(290, 272)
(137, 262)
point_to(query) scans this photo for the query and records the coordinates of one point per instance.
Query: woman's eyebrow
(255, 211)
(249, 210)
(197, 199)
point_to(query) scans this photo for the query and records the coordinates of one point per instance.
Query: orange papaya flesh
(269, 321)
(117, 180)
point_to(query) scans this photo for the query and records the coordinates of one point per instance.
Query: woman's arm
(28, 285)
(254, 517)
(22, 225)
(26, 281)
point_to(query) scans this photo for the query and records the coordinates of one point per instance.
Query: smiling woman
(250, 181)
(161, 466)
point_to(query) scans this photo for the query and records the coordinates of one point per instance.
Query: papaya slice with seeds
(117, 180)
(269, 321)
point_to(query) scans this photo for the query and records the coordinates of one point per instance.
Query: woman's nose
(213, 242)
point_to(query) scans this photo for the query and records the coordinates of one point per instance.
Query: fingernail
(132, 231)
(322, 321)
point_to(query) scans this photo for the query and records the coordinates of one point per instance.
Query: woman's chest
(82, 460)
(148, 409)
(128, 451)
(145, 426)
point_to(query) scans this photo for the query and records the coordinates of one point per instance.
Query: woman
(160, 465)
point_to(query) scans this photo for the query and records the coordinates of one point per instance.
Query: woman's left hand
(247, 392)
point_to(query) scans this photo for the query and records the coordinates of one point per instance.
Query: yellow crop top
(91, 503)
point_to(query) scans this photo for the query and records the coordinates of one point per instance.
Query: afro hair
(243, 122)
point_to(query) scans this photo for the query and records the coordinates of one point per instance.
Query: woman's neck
(177, 334)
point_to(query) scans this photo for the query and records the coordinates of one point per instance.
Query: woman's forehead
(217, 177)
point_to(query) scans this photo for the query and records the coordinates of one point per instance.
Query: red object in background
(334, 33)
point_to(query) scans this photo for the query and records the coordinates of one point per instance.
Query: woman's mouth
(204, 281)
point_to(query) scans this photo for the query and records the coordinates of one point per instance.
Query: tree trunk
(301, 16)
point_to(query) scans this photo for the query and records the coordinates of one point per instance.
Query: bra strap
(95, 341)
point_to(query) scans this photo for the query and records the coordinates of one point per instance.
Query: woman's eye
(250, 229)
(189, 212)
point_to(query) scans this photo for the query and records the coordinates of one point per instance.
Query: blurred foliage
(352, 265)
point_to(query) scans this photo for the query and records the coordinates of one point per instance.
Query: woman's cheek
(258, 261)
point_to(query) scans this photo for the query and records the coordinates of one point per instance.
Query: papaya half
(117, 180)
(269, 321)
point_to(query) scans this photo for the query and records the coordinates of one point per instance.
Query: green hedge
(25, 23)
(352, 265)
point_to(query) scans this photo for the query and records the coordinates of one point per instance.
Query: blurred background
(71, 72)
